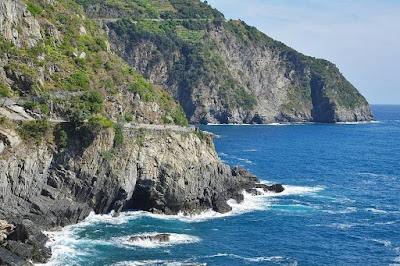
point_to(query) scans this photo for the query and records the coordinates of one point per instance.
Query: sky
(362, 37)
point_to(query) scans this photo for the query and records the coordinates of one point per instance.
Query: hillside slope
(67, 144)
(225, 71)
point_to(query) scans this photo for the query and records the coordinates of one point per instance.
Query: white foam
(251, 259)
(386, 223)
(353, 123)
(382, 176)
(175, 239)
(65, 243)
(345, 211)
(250, 150)
(261, 125)
(386, 243)
(296, 190)
(139, 263)
(373, 210)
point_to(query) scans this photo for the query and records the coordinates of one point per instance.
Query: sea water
(341, 205)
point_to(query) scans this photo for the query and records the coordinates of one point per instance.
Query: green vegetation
(79, 80)
(245, 100)
(179, 116)
(167, 9)
(34, 9)
(326, 75)
(4, 91)
(106, 155)
(128, 117)
(144, 89)
(195, 36)
(3, 120)
(61, 137)
(36, 129)
(166, 120)
(30, 105)
(201, 134)
(198, 64)
(92, 102)
(250, 35)
(118, 137)
(98, 121)
(299, 99)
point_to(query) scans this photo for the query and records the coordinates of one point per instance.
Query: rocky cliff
(228, 72)
(162, 171)
(67, 143)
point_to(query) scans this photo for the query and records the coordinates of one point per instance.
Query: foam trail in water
(250, 150)
(175, 239)
(344, 211)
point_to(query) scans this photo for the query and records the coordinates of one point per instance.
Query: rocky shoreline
(158, 171)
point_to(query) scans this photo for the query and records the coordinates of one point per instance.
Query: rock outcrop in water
(161, 238)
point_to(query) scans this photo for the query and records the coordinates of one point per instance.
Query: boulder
(162, 238)
(220, 205)
(277, 188)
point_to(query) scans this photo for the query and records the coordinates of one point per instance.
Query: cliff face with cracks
(228, 72)
(160, 171)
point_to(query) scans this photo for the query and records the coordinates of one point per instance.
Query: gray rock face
(17, 25)
(288, 86)
(155, 170)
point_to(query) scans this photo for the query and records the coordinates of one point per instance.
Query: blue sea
(341, 205)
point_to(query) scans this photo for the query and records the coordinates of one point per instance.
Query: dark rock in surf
(277, 188)
(162, 238)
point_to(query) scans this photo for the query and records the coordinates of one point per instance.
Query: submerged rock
(162, 238)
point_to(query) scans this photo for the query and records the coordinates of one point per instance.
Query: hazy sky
(362, 37)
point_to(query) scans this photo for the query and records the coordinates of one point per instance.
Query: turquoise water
(341, 205)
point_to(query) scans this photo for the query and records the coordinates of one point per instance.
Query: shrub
(179, 116)
(92, 102)
(128, 117)
(100, 121)
(4, 91)
(201, 135)
(144, 89)
(61, 137)
(36, 129)
(45, 109)
(118, 137)
(79, 80)
(166, 120)
(3, 120)
(30, 105)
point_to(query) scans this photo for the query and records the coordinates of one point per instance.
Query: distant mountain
(225, 71)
